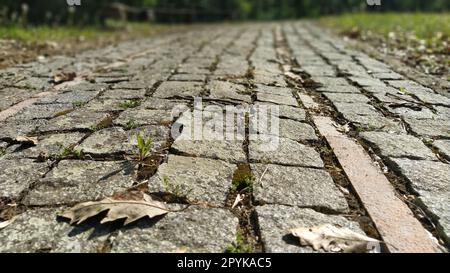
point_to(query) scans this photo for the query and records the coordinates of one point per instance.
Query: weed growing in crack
(131, 124)
(2, 152)
(78, 104)
(178, 192)
(129, 104)
(403, 90)
(325, 150)
(144, 147)
(105, 123)
(240, 246)
(71, 152)
(242, 179)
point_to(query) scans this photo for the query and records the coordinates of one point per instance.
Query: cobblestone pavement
(133, 87)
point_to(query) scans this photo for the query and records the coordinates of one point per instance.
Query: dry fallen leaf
(334, 239)
(64, 77)
(33, 140)
(239, 199)
(342, 128)
(131, 210)
(7, 223)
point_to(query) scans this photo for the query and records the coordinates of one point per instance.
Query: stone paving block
(39, 230)
(188, 77)
(273, 90)
(339, 97)
(429, 127)
(74, 181)
(388, 76)
(134, 85)
(228, 91)
(340, 89)
(44, 111)
(69, 97)
(269, 79)
(276, 221)
(330, 82)
(104, 105)
(201, 179)
(18, 174)
(11, 96)
(398, 145)
(442, 112)
(362, 109)
(188, 231)
(140, 117)
(423, 113)
(215, 148)
(294, 186)
(367, 81)
(52, 145)
(124, 94)
(443, 146)
(431, 180)
(286, 128)
(267, 149)
(179, 89)
(76, 120)
(15, 128)
(428, 96)
(284, 100)
(116, 140)
(375, 123)
(163, 104)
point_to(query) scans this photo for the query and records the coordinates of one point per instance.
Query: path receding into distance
(328, 95)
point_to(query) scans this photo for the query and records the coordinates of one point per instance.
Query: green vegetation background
(57, 12)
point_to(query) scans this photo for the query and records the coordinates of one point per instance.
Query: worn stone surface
(429, 127)
(80, 181)
(116, 140)
(228, 91)
(200, 179)
(77, 120)
(285, 100)
(13, 129)
(431, 180)
(283, 151)
(275, 222)
(339, 97)
(46, 111)
(398, 145)
(52, 145)
(179, 89)
(284, 128)
(443, 146)
(187, 231)
(124, 94)
(19, 174)
(139, 117)
(40, 230)
(294, 186)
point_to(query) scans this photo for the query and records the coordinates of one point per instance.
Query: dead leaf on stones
(26, 139)
(239, 199)
(7, 223)
(334, 239)
(131, 210)
(64, 77)
(342, 128)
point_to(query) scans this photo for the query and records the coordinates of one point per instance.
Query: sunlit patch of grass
(423, 25)
(39, 34)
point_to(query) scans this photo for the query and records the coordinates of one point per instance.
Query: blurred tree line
(96, 11)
